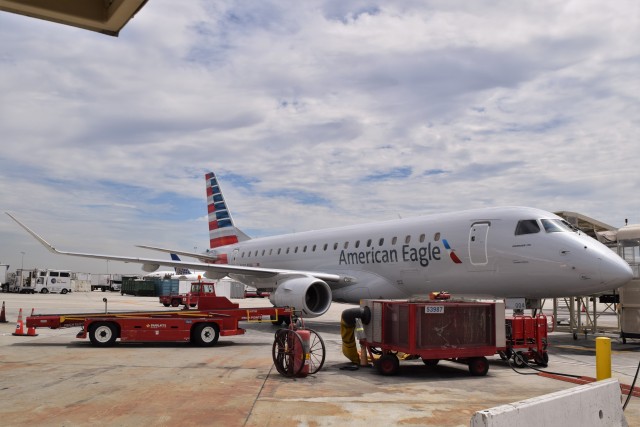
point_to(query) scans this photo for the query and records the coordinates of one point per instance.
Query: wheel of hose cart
(317, 352)
(542, 359)
(288, 353)
(478, 366)
(519, 360)
(388, 364)
(505, 355)
(103, 334)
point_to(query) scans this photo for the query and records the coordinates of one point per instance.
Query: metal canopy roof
(103, 16)
(605, 233)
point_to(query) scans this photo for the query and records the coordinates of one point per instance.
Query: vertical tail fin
(180, 271)
(222, 230)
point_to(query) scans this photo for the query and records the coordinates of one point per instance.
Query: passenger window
(381, 241)
(325, 246)
(357, 244)
(422, 236)
(335, 246)
(436, 237)
(369, 243)
(394, 240)
(65, 274)
(527, 226)
(304, 249)
(346, 245)
(287, 250)
(313, 249)
(296, 250)
(271, 251)
(407, 239)
(54, 274)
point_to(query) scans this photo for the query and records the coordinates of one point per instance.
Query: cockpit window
(556, 225)
(527, 226)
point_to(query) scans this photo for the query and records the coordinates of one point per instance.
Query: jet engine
(307, 294)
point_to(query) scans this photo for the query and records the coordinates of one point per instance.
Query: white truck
(57, 281)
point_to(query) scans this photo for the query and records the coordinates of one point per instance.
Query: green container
(138, 287)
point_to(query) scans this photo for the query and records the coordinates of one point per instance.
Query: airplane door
(478, 243)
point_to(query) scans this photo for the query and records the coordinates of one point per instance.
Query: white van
(58, 281)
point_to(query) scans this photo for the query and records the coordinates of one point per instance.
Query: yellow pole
(603, 358)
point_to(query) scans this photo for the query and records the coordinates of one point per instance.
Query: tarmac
(55, 379)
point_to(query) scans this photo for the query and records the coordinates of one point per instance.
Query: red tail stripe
(223, 241)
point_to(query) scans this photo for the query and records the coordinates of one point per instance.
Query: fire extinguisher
(301, 354)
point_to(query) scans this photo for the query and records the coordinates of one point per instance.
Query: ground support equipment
(526, 340)
(464, 332)
(215, 316)
(298, 351)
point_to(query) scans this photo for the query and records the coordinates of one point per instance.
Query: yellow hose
(349, 348)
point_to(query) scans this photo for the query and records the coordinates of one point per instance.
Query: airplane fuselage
(477, 252)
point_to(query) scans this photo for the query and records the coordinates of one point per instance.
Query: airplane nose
(614, 271)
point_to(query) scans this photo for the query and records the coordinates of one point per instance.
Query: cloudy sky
(313, 114)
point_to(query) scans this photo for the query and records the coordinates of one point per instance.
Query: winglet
(35, 235)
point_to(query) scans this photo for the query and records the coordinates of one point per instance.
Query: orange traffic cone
(19, 326)
(31, 330)
(3, 316)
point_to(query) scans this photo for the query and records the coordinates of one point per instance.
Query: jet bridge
(629, 250)
(585, 310)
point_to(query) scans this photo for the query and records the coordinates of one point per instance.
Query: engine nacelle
(307, 294)
(150, 268)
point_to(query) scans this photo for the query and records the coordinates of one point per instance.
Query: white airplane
(509, 252)
(177, 273)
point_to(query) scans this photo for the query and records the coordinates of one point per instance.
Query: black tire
(543, 360)
(505, 355)
(205, 334)
(519, 360)
(166, 304)
(44, 291)
(275, 320)
(430, 362)
(478, 366)
(63, 291)
(103, 334)
(388, 364)
(175, 302)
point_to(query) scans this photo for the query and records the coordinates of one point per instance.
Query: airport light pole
(22, 266)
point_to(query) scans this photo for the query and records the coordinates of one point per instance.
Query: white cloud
(106, 140)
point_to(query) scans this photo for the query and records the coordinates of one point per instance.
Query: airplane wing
(151, 265)
(200, 256)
